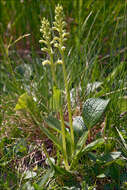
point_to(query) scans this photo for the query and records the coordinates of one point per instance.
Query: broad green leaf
(92, 111)
(112, 157)
(105, 159)
(26, 102)
(94, 145)
(109, 158)
(79, 127)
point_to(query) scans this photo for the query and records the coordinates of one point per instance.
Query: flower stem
(61, 117)
(68, 103)
(63, 139)
(53, 70)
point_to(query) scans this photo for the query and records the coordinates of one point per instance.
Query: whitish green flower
(46, 36)
(59, 61)
(59, 26)
(46, 62)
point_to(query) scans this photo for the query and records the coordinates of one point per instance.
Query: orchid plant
(71, 141)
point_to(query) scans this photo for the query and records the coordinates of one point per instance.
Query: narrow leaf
(115, 72)
(53, 123)
(46, 177)
(81, 142)
(121, 137)
(91, 87)
(94, 145)
(51, 137)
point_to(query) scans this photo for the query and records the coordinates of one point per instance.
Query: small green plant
(91, 72)
(90, 119)
(58, 42)
(70, 147)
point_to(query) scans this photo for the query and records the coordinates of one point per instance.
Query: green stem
(53, 70)
(61, 117)
(68, 103)
(63, 139)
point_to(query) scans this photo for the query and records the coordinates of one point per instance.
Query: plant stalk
(61, 118)
(53, 70)
(64, 139)
(68, 103)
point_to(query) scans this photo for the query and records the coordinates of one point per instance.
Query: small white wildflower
(59, 61)
(56, 45)
(55, 28)
(65, 34)
(46, 62)
(45, 49)
(56, 39)
(43, 41)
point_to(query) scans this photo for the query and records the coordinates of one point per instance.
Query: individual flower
(46, 62)
(59, 61)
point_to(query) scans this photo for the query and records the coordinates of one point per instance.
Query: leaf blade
(93, 110)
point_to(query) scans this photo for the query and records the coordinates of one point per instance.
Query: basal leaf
(94, 145)
(26, 102)
(79, 127)
(53, 123)
(92, 111)
(81, 142)
(51, 136)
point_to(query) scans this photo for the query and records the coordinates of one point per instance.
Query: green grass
(96, 64)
